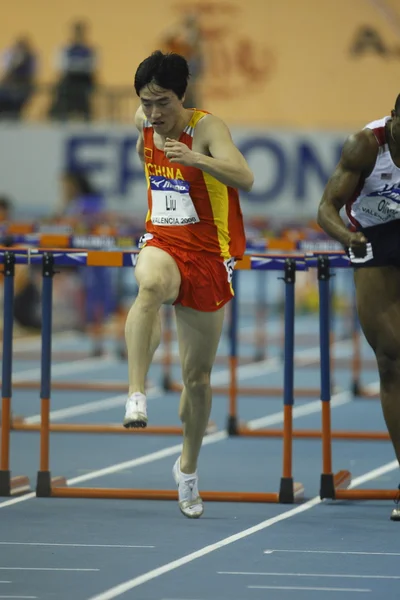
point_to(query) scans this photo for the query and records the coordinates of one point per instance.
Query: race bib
(171, 202)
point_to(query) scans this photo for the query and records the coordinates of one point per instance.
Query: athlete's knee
(197, 388)
(152, 291)
(197, 381)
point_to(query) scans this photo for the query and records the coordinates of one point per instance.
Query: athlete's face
(162, 107)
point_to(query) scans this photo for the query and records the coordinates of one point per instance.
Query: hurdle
(289, 491)
(9, 485)
(322, 262)
(334, 486)
(234, 427)
(18, 423)
(257, 262)
(331, 485)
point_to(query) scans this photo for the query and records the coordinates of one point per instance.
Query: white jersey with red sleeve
(376, 199)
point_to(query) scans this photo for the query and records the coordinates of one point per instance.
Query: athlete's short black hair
(397, 106)
(169, 71)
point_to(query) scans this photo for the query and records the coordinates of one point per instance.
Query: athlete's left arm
(226, 163)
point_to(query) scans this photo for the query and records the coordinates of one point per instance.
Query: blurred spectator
(17, 81)
(77, 64)
(83, 205)
(5, 209)
(185, 38)
(27, 303)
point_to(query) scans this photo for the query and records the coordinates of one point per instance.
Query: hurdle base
(331, 484)
(13, 486)
(289, 492)
(45, 483)
(142, 494)
(232, 425)
(19, 424)
(167, 383)
(327, 486)
(367, 494)
(356, 388)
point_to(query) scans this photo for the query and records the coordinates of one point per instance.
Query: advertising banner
(290, 168)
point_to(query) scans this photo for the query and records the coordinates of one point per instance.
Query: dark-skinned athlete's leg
(378, 306)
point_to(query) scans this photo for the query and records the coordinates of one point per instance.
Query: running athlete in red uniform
(194, 235)
(367, 182)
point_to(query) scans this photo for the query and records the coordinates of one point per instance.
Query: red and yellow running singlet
(189, 208)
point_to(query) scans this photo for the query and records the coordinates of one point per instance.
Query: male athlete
(194, 235)
(367, 182)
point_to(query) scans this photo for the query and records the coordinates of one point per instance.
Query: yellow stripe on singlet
(197, 115)
(219, 200)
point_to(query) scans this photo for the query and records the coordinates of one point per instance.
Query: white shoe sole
(135, 420)
(185, 504)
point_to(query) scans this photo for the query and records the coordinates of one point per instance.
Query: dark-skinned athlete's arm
(357, 160)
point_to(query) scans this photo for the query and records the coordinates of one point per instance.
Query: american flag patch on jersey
(386, 176)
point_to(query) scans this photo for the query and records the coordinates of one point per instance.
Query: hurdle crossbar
(289, 491)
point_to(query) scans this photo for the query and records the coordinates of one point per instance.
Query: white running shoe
(136, 411)
(190, 503)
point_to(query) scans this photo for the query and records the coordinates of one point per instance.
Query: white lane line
(299, 411)
(122, 588)
(334, 552)
(72, 545)
(70, 367)
(347, 576)
(20, 597)
(374, 474)
(45, 569)
(304, 410)
(308, 589)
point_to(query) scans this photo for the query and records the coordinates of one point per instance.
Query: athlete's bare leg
(378, 305)
(198, 337)
(159, 281)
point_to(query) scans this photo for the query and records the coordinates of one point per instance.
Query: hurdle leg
(44, 481)
(286, 494)
(329, 482)
(356, 359)
(260, 350)
(288, 490)
(232, 424)
(8, 485)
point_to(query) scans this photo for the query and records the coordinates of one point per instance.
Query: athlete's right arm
(357, 160)
(139, 118)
